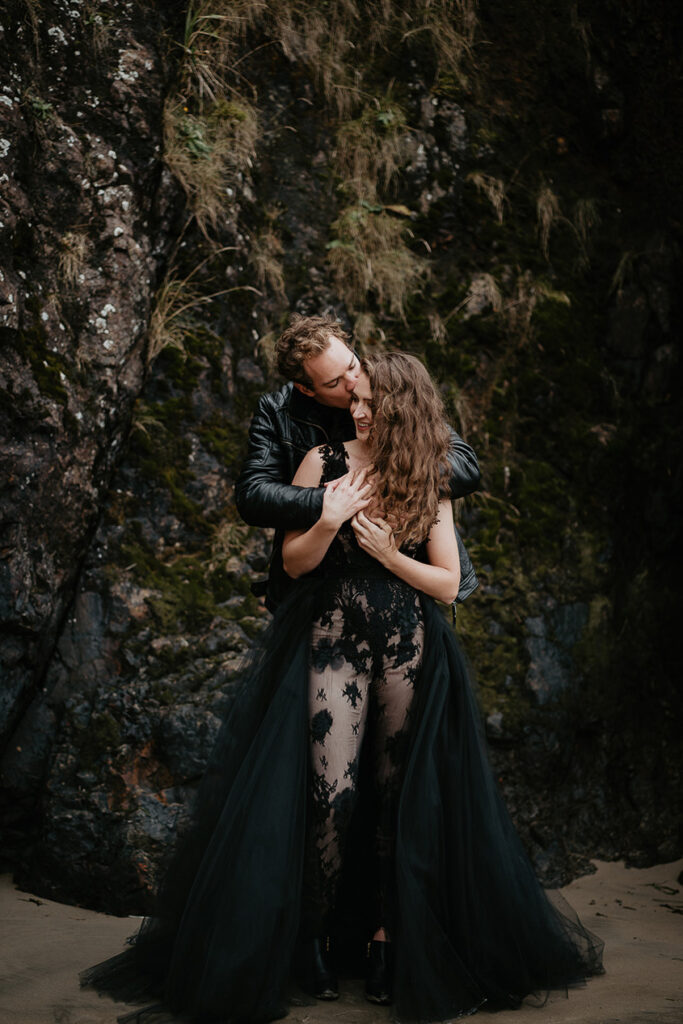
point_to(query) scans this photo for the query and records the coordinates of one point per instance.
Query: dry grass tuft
(209, 153)
(175, 304)
(211, 128)
(437, 328)
(519, 309)
(72, 258)
(464, 414)
(548, 214)
(170, 319)
(266, 248)
(586, 217)
(34, 15)
(369, 255)
(623, 275)
(450, 26)
(229, 539)
(214, 30)
(99, 26)
(494, 190)
(367, 334)
(320, 38)
(515, 306)
(323, 41)
(265, 348)
(145, 421)
(370, 149)
(482, 294)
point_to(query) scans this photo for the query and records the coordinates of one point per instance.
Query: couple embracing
(348, 803)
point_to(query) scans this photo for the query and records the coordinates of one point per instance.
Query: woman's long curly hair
(410, 440)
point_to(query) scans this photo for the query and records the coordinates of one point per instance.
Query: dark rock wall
(471, 184)
(85, 203)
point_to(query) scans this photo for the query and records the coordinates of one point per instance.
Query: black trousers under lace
(363, 667)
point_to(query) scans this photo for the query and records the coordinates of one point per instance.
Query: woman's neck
(359, 454)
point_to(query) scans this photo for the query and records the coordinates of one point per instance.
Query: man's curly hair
(304, 337)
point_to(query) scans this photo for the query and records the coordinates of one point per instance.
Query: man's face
(333, 375)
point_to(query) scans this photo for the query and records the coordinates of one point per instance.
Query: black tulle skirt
(473, 925)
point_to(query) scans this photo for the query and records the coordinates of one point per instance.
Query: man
(312, 409)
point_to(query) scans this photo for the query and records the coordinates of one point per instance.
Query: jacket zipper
(310, 423)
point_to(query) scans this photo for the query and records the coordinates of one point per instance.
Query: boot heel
(317, 976)
(378, 983)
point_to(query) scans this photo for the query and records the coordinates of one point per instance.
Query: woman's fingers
(362, 526)
(349, 494)
(360, 482)
(380, 523)
(369, 521)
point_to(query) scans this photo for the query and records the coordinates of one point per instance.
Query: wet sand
(639, 914)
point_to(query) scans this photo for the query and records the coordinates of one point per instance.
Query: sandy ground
(639, 914)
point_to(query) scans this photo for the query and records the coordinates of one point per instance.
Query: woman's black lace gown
(353, 652)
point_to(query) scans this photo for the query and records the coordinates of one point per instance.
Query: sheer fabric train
(471, 923)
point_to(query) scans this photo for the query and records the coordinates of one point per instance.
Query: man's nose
(351, 379)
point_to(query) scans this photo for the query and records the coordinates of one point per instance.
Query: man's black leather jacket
(285, 426)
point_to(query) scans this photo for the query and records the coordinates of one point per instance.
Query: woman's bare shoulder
(310, 468)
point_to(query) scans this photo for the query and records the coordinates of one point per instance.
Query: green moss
(188, 592)
(46, 366)
(164, 695)
(224, 438)
(181, 593)
(227, 110)
(40, 108)
(449, 86)
(498, 656)
(169, 659)
(160, 451)
(46, 370)
(489, 522)
(101, 737)
(543, 499)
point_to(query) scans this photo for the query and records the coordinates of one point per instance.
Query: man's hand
(375, 536)
(345, 497)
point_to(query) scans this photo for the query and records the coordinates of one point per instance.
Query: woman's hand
(345, 497)
(375, 537)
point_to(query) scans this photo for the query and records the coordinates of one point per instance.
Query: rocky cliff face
(466, 184)
(85, 209)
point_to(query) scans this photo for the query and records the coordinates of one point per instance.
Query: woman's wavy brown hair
(410, 440)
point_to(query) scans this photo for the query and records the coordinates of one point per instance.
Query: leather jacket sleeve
(263, 493)
(465, 475)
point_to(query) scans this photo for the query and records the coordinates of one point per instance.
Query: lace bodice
(344, 556)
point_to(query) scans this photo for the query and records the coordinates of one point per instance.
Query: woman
(359, 650)
(366, 646)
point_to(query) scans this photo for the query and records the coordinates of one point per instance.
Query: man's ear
(303, 389)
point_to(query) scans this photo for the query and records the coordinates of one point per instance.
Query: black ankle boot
(317, 976)
(378, 983)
